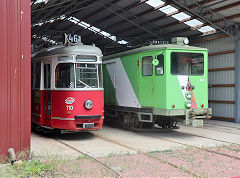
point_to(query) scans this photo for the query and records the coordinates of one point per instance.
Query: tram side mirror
(155, 62)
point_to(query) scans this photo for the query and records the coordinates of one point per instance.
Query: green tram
(157, 84)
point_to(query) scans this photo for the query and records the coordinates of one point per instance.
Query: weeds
(33, 168)
(111, 155)
(158, 152)
(23, 155)
(83, 156)
(27, 169)
(3, 159)
(236, 150)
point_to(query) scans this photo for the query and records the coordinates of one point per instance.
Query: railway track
(222, 130)
(169, 140)
(200, 148)
(238, 128)
(125, 146)
(90, 157)
(201, 136)
(150, 156)
(116, 174)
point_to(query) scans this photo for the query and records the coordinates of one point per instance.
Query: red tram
(67, 91)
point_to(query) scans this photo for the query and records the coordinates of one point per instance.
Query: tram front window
(86, 75)
(64, 76)
(184, 63)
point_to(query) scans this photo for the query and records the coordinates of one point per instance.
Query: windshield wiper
(83, 83)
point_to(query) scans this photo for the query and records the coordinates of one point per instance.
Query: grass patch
(83, 156)
(33, 168)
(27, 169)
(236, 150)
(164, 151)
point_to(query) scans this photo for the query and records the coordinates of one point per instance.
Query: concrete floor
(111, 140)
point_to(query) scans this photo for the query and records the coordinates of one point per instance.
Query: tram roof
(155, 47)
(68, 50)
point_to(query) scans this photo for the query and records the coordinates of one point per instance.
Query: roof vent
(180, 41)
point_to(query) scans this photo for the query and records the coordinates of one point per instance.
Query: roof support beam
(138, 22)
(216, 21)
(63, 9)
(208, 16)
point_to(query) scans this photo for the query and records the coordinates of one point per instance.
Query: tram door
(47, 95)
(146, 81)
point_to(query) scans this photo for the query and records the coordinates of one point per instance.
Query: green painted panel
(174, 94)
(109, 91)
(162, 91)
(174, 90)
(132, 68)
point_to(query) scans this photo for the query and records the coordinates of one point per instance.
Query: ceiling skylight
(49, 21)
(181, 16)
(84, 24)
(194, 23)
(40, 1)
(122, 42)
(96, 30)
(206, 29)
(44, 38)
(155, 3)
(168, 9)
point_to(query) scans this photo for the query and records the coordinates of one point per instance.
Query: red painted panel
(75, 107)
(15, 66)
(59, 105)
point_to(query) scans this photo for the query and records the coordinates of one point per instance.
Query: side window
(37, 75)
(47, 76)
(159, 69)
(147, 66)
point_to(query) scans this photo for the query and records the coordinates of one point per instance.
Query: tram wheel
(168, 124)
(130, 121)
(147, 125)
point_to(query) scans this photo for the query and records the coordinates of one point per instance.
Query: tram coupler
(195, 117)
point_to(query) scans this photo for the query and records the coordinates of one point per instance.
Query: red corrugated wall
(15, 69)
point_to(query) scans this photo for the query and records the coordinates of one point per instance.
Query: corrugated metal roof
(136, 21)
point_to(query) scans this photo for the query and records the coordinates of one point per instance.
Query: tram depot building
(136, 51)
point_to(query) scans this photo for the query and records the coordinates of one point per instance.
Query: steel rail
(77, 150)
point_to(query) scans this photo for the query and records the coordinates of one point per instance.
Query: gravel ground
(205, 164)
(190, 162)
(141, 166)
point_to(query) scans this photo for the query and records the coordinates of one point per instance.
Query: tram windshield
(69, 75)
(184, 63)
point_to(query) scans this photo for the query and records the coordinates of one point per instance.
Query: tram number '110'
(69, 107)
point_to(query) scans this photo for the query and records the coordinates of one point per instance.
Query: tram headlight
(88, 104)
(188, 104)
(189, 95)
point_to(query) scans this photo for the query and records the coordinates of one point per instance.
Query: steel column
(237, 71)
